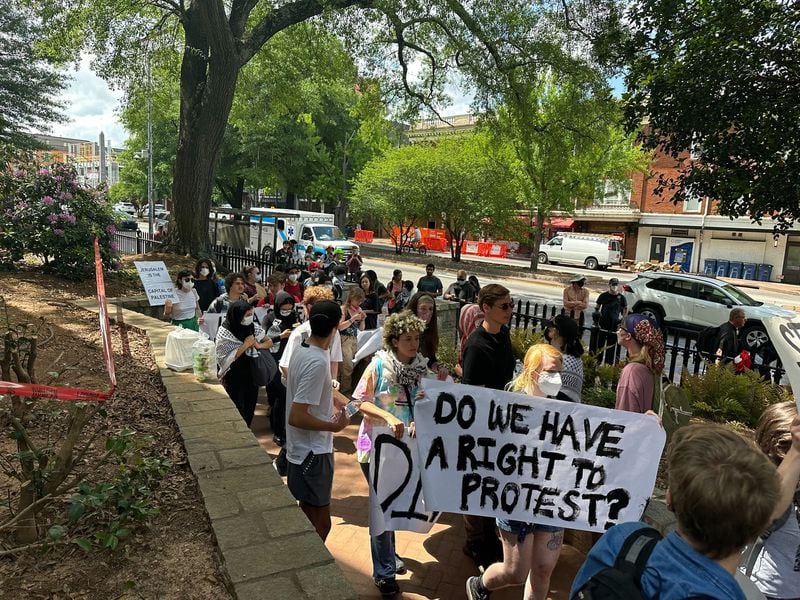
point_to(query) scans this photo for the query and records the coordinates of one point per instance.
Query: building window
(691, 204)
(613, 194)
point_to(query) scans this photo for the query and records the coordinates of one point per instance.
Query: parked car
(697, 302)
(125, 222)
(592, 251)
(125, 207)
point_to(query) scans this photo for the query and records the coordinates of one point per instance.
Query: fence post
(138, 242)
(594, 333)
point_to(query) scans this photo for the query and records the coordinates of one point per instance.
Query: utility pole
(149, 146)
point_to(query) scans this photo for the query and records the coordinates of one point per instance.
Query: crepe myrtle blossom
(111, 230)
(58, 232)
(44, 171)
(48, 200)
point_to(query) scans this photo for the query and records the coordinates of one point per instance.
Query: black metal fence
(136, 242)
(681, 351)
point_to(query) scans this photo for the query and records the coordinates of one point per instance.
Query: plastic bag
(204, 358)
(178, 351)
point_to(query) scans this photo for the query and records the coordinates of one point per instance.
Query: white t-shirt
(185, 308)
(303, 332)
(309, 382)
(774, 570)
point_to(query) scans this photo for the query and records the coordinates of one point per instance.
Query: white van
(592, 251)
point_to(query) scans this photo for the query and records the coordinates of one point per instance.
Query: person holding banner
(640, 379)
(488, 361)
(776, 565)
(387, 391)
(186, 311)
(530, 550)
(238, 340)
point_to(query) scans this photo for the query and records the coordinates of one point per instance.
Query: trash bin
(722, 268)
(749, 271)
(710, 266)
(735, 270)
(764, 272)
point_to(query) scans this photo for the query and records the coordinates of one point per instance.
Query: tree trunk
(208, 83)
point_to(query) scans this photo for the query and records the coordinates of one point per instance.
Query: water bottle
(383, 315)
(351, 408)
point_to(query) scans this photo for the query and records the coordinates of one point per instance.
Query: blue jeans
(521, 529)
(382, 547)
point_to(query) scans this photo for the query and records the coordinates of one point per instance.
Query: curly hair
(315, 293)
(398, 324)
(773, 434)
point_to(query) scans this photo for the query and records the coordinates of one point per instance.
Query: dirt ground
(173, 554)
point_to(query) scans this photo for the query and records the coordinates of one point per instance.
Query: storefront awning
(558, 223)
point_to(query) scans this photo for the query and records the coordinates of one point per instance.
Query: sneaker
(387, 587)
(281, 464)
(475, 590)
(399, 566)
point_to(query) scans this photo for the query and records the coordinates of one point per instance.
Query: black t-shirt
(728, 341)
(371, 302)
(611, 307)
(207, 292)
(489, 358)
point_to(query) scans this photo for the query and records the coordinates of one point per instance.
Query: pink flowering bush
(46, 212)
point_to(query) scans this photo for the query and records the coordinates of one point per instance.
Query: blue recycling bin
(764, 272)
(749, 271)
(735, 270)
(722, 268)
(710, 266)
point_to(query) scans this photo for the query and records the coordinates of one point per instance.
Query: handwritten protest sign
(784, 333)
(395, 496)
(157, 283)
(492, 453)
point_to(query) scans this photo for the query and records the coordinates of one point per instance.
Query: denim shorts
(521, 529)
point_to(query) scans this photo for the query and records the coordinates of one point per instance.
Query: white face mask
(258, 277)
(550, 383)
(204, 272)
(286, 313)
(247, 321)
(187, 285)
(293, 277)
(614, 288)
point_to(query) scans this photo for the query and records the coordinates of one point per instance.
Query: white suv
(696, 302)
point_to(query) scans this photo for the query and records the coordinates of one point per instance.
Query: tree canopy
(720, 79)
(28, 83)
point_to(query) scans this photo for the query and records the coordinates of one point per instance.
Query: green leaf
(123, 533)
(75, 512)
(112, 541)
(56, 532)
(83, 544)
(53, 373)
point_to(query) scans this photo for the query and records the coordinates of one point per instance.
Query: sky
(91, 107)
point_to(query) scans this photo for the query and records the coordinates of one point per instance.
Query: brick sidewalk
(437, 567)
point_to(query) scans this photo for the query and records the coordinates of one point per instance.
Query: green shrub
(47, 213)
(722, 395)
(598, 395)
(522, 339)
(447, 354)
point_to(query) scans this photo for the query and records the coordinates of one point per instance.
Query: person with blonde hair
(776, 569)
(530, 550)
(723, 492)
(641, 377)
(387, 392)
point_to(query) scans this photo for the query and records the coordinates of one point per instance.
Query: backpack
(706, 343)
(623, 580)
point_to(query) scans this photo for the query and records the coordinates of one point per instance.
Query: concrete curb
(269, 549)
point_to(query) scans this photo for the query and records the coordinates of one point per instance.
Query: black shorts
(312, 480)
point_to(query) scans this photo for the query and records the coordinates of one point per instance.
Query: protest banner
(369, 342)
(395, 496)
(784, 333)
(158, 285)
(56, 392)
(498, 454)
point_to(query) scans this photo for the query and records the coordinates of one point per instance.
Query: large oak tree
(413, 44)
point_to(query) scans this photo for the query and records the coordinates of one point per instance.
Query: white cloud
(90, 107)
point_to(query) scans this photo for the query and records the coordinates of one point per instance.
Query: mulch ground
(173, 554)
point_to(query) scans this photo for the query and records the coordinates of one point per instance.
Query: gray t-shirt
(309, 382)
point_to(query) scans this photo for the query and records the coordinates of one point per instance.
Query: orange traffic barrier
(364, 235)
(469, 247)
(435, 244)
(498, 250)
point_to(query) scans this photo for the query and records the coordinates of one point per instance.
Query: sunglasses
(505, 305)
(188, 280)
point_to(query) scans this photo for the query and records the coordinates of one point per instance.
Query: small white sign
(784, 333)
(512, 456)
(158, 285)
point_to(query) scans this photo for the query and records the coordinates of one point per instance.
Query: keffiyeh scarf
(227, 344)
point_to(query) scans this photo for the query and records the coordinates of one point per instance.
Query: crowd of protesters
(727, 496)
